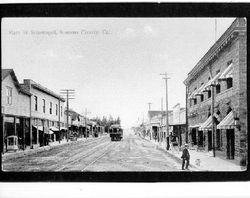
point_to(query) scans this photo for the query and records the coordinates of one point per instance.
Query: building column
(37, 135)
(24, 130)
(15, 126)
(31, 143)
(3, 133)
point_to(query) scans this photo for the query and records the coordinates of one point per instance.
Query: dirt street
(132, 153)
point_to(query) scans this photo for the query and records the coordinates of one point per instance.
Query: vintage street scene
(124, 94)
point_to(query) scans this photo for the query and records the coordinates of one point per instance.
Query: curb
(39, 149)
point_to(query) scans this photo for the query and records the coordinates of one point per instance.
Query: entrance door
(230, 143)
(200, 138)
(194, 136)
(209, 134)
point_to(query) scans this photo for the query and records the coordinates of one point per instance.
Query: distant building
(217, 95)
(46, 110)
(15, 109)
(178, 124)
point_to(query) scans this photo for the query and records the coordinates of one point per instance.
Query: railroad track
(81, 158)
(101, 155)
(75, 152)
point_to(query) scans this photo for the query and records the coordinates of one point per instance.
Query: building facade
(46, 113)
(217, 96)
(15, 108)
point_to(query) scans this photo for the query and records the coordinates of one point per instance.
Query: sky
(113, 64)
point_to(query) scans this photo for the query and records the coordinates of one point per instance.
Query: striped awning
(200, 90)
(227, 122)
(54, 128)
(40, 128)
(63, 128)
(195, 126)
(212, 81)
(207, 125)
(192, 95)
(227, 73)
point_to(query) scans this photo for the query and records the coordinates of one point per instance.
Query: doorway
(230, 143)
(193, 135)
(209, 134)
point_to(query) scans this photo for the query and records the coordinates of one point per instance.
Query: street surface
(132, 153)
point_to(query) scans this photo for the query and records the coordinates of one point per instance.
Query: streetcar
(115, 132)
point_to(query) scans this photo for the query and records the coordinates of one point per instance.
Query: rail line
(76, 149)
(99, 156)
(79, 157)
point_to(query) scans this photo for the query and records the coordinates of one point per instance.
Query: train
(115, 132)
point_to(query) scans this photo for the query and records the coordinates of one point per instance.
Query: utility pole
(149, 108)
(86, 113)
(161, 119)
(69, 95)
(167, 130)
(212, 112)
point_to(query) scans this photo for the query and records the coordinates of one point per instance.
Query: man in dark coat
(185, 157)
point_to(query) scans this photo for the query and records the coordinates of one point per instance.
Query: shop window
(217, 88)
(209, 94)
(35, 103)
(229, 83)
(202, 97)
(50, 108)
(43, 105)
(9, 95)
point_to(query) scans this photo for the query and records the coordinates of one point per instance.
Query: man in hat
(185, 157)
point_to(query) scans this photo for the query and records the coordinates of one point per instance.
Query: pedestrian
(185, 157)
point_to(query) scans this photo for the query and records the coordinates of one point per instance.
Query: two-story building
(15, 110)
(217, 95)
(46, 113)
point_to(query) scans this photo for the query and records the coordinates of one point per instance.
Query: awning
(192, 95)
(212, 81)
(63, 128)
(227, 122)
(40, 128)
(195, 126)
(54, 128)
(227, 73)
(49, 132)
(199, 91)
(207, 125)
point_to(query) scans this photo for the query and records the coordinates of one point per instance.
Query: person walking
(185, 157)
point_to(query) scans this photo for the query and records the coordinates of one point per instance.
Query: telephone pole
(167, 130)
(69, 93)
(86, 113)
(149, 108)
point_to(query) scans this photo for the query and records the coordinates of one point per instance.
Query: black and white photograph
(91, 97)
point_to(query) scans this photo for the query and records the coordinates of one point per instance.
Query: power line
(167, 129)
(69, 95)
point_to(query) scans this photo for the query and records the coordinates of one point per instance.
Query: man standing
(185, 157)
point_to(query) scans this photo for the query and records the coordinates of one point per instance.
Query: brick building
(46, 113)
(15, 110)
(217, 96)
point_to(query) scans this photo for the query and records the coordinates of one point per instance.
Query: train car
(115, 132)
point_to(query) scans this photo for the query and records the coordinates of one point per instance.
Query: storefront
(227, 128)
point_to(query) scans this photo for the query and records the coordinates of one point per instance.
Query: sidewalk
(202, 160)
(29, 151)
